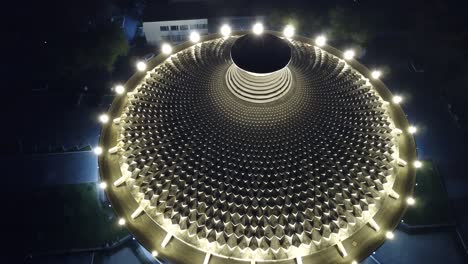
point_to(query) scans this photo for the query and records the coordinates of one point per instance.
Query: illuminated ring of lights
(168, 246)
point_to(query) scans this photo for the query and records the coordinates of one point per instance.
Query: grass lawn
(69, 216)
(431, 199)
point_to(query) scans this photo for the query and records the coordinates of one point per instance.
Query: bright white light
(166, 240)
(226, 31)
(389, 235)
(299, 260)
(119, 89)
(207, 258)
(166, 48)
(376, 74)
(320, 40)
(354, 262)
(97, 150)
(103, 185)
(410, 201)
(257, 28)
(104, 118)
(288, 31)
(397, 99)
(417, 164)
(141, 66)
(412, 129)
(121, 221)
(154, 253)
(349, 54)
(194, 37)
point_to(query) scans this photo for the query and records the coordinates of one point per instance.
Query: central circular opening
(261, 53)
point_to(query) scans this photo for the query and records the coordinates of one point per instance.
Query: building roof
(309, 155)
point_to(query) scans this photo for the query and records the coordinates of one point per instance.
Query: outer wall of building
(177, 30)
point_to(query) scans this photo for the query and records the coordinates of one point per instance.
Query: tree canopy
(96, 49)
(70, 39)
(340, 23)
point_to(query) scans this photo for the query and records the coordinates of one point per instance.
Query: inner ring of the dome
(262, 54)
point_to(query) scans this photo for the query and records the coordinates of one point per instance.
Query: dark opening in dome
(261, 53)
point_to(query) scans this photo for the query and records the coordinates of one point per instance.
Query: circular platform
(202, 174)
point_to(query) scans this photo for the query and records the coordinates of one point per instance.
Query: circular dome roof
(207, 175)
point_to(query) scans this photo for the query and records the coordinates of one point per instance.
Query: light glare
(320, 40)
(194, 37)
(389, 235)
(119, 89)
(166, 48)
(226, 30)
(141, 66)
(97, 150)
(417, 164)
(288, 31)
(376, 74)
(349, 54)
(257, 28)
(121, 221)
(104, 118)
(412, 129)
(103, 185)
(154, 253)
(397, 99)
(411, 201)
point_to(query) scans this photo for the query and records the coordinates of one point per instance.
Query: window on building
(164, 28)
(183, 27)
(174, 27)
(199, 26)
(175, 38)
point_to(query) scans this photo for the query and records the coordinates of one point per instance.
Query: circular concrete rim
(150, 234)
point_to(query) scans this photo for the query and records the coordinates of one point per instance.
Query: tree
(100, 49)
(70, 44)
(348, 26)
(340, 23)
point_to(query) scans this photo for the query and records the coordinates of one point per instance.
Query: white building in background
(173, 31)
